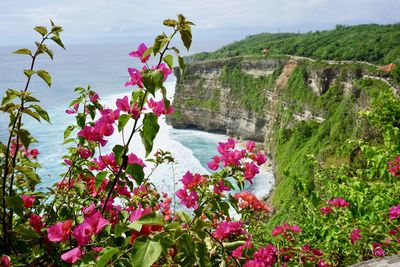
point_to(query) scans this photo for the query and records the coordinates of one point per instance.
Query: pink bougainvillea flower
(190, 181)
(27, 201)
(91, 225)
(83, 233)
(232, 157)
(73, 110)
(59, 232)
(393, 232)
(164, 69)
(394, 166)
(96, 221)
(158, 107)
(97, 249)
(36, 222)
(139, 53)
(238, 252)
(214, 163)
(135, 78)
(355, 235)
(228, 229)
(378, 250)
(249, 200)
(89, 210)
(250, 145)
(5, 261)
(322, 263)
(267, 255)
(139, 213)
(250, 170)
(133, 159)
(189, 200)
(394, 212)
(84, 152)
(123, 104)
(72, 255)
(259, 158)
(285, 229)
(220, 187)
(326, 210)
(94, 97)
(338, 202)
(34, 153)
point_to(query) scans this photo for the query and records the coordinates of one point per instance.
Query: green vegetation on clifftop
(371, 42)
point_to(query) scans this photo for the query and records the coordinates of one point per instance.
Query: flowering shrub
(104, 211)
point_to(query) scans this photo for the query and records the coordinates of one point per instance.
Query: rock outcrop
(204, 101)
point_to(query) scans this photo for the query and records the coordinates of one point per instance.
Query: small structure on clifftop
(387, 68)
(266, 51)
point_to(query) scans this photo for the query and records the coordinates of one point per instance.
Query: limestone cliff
(244, 97)
(203, 100)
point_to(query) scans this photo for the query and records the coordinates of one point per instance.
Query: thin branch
(222, 246)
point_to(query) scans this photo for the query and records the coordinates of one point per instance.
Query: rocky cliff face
(204, 101)
(243, 97)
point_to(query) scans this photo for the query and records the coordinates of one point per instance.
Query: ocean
(104, 68)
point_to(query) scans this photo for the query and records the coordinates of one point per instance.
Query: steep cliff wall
(296, 107)
(242, 96)
(205, 100)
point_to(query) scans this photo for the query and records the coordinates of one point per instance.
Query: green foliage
(149, 132)
(247, 87)
(371, 42)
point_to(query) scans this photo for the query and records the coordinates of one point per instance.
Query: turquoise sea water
(104, 67)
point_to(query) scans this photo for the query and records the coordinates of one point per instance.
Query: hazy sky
(120, 21)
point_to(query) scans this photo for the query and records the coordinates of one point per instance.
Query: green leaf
(45, 76)
(10, 95)
(31, 113)
(48, 51)
(29, 98)
(153, 80)
(29, 73)
(43, 113)
(151, 219)
(9, 107)
(81, 120)
(58, 41)
(147, 252)
(106, 255)
(122, 121)
(149, 131)
(100, 178)
(159, 42)
(202, 255)
(169, 59)
(136, 171)
(148, 52)
(40, 29)
(27, 232)
(29, 172)
(186, 36)
(15, 203)
(56, 29)
(166, 101)
(181, 63)
(23, 51)
(25, 137)
(68, 131)
(170, 22)
(118, 153)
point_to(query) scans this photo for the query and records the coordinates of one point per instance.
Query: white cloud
(105, 20)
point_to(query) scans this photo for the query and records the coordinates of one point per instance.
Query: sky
(217, 21)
